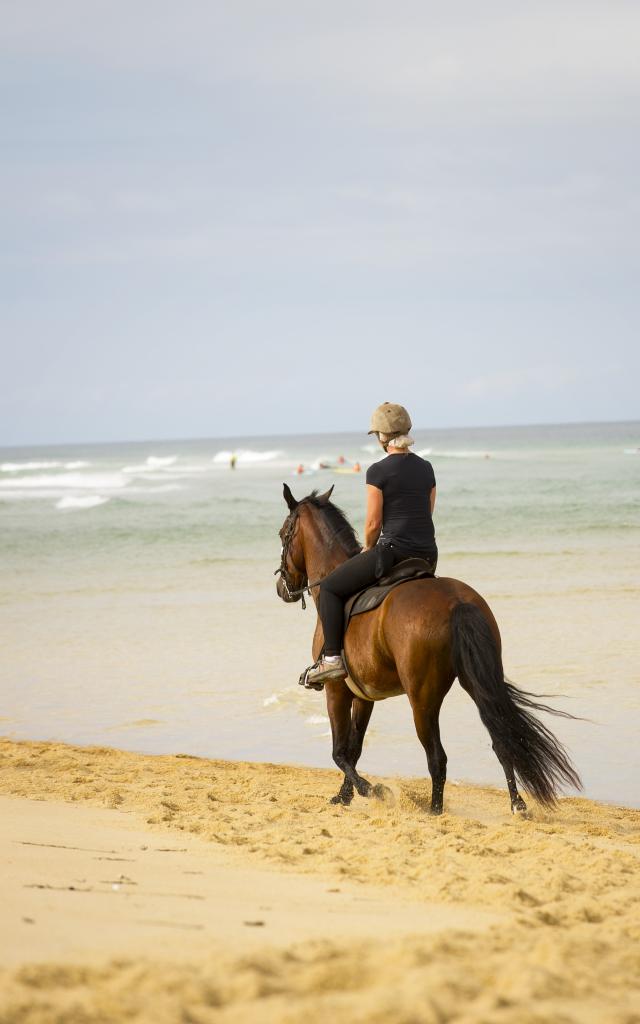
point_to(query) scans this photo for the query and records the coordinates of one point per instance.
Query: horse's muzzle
(284, 594)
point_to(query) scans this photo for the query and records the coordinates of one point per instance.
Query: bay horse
(425, 633)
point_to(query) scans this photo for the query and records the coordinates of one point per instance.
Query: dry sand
(162, 889)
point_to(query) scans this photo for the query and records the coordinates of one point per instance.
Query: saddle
(365, 601)
(368, 599)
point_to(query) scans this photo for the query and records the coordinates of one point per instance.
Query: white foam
(273, 699)
(245, 456)
(325, 462)
(76, 465)
(423, 452)
(85, 501)
(316, 720)
(62, 481)
(153, 462)
(17, 467)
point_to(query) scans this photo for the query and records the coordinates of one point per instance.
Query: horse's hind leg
(339, 701)
(518, 805)
(428, 729)
(360, 715)
(426, 700)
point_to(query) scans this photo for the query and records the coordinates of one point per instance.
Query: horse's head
(292, 573)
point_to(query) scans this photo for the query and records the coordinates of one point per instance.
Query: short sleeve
(431, 477)
(374, 475)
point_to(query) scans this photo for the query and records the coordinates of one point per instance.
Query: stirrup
(339, 672)
(313, 684)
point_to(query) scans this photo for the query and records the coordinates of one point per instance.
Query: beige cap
(389, 418)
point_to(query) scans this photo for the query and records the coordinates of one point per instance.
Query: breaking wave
(246, 456)
(84, 501)
(57, 481)
(154, 462)
(19, 467)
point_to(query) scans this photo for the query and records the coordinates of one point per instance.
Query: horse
(425, 633)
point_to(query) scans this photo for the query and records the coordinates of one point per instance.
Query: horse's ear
(289, 498)
(324, 498)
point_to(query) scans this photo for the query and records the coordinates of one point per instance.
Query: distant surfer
(233, 460)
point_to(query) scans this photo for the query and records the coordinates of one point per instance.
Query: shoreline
(375, 912)
(324, 764)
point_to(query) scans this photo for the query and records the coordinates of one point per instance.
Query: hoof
(519, 808)
(340, 799)
(384, 794)
(365, 791)
(437, 810)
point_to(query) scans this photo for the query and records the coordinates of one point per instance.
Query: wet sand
(172, 888)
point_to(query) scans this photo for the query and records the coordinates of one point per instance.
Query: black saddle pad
(367, 600)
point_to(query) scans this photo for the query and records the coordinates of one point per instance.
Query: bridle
(282, 569)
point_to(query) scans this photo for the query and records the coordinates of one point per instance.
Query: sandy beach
(172, 888)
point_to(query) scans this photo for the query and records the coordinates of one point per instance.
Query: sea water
(139, 608)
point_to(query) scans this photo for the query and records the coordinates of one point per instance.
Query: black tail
(539, 760)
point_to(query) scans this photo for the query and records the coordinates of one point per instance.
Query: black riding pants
(353, 575)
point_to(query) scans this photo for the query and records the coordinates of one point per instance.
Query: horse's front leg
(360, 716)
(339, 702)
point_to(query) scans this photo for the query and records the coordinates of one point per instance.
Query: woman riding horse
(401, 494)
(423, 635)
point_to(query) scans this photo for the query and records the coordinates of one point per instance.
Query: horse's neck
(320, 558)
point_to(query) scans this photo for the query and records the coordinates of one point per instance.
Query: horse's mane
(336, 519)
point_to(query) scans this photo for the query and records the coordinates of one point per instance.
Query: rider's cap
(389, 418)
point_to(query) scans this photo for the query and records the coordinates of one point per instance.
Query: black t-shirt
(406, 482)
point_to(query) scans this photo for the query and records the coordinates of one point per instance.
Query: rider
(401, 494)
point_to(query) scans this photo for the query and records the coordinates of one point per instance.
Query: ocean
(139, 608)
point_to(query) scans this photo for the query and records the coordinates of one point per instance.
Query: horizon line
(323, 433)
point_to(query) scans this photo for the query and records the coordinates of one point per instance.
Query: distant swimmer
(300, 469)
(356, 467)
(341, 460)
(233, 460)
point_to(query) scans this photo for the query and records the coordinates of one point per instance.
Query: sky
(240, 218)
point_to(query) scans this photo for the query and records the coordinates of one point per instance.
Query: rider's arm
(432, 499)
(373, 516)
